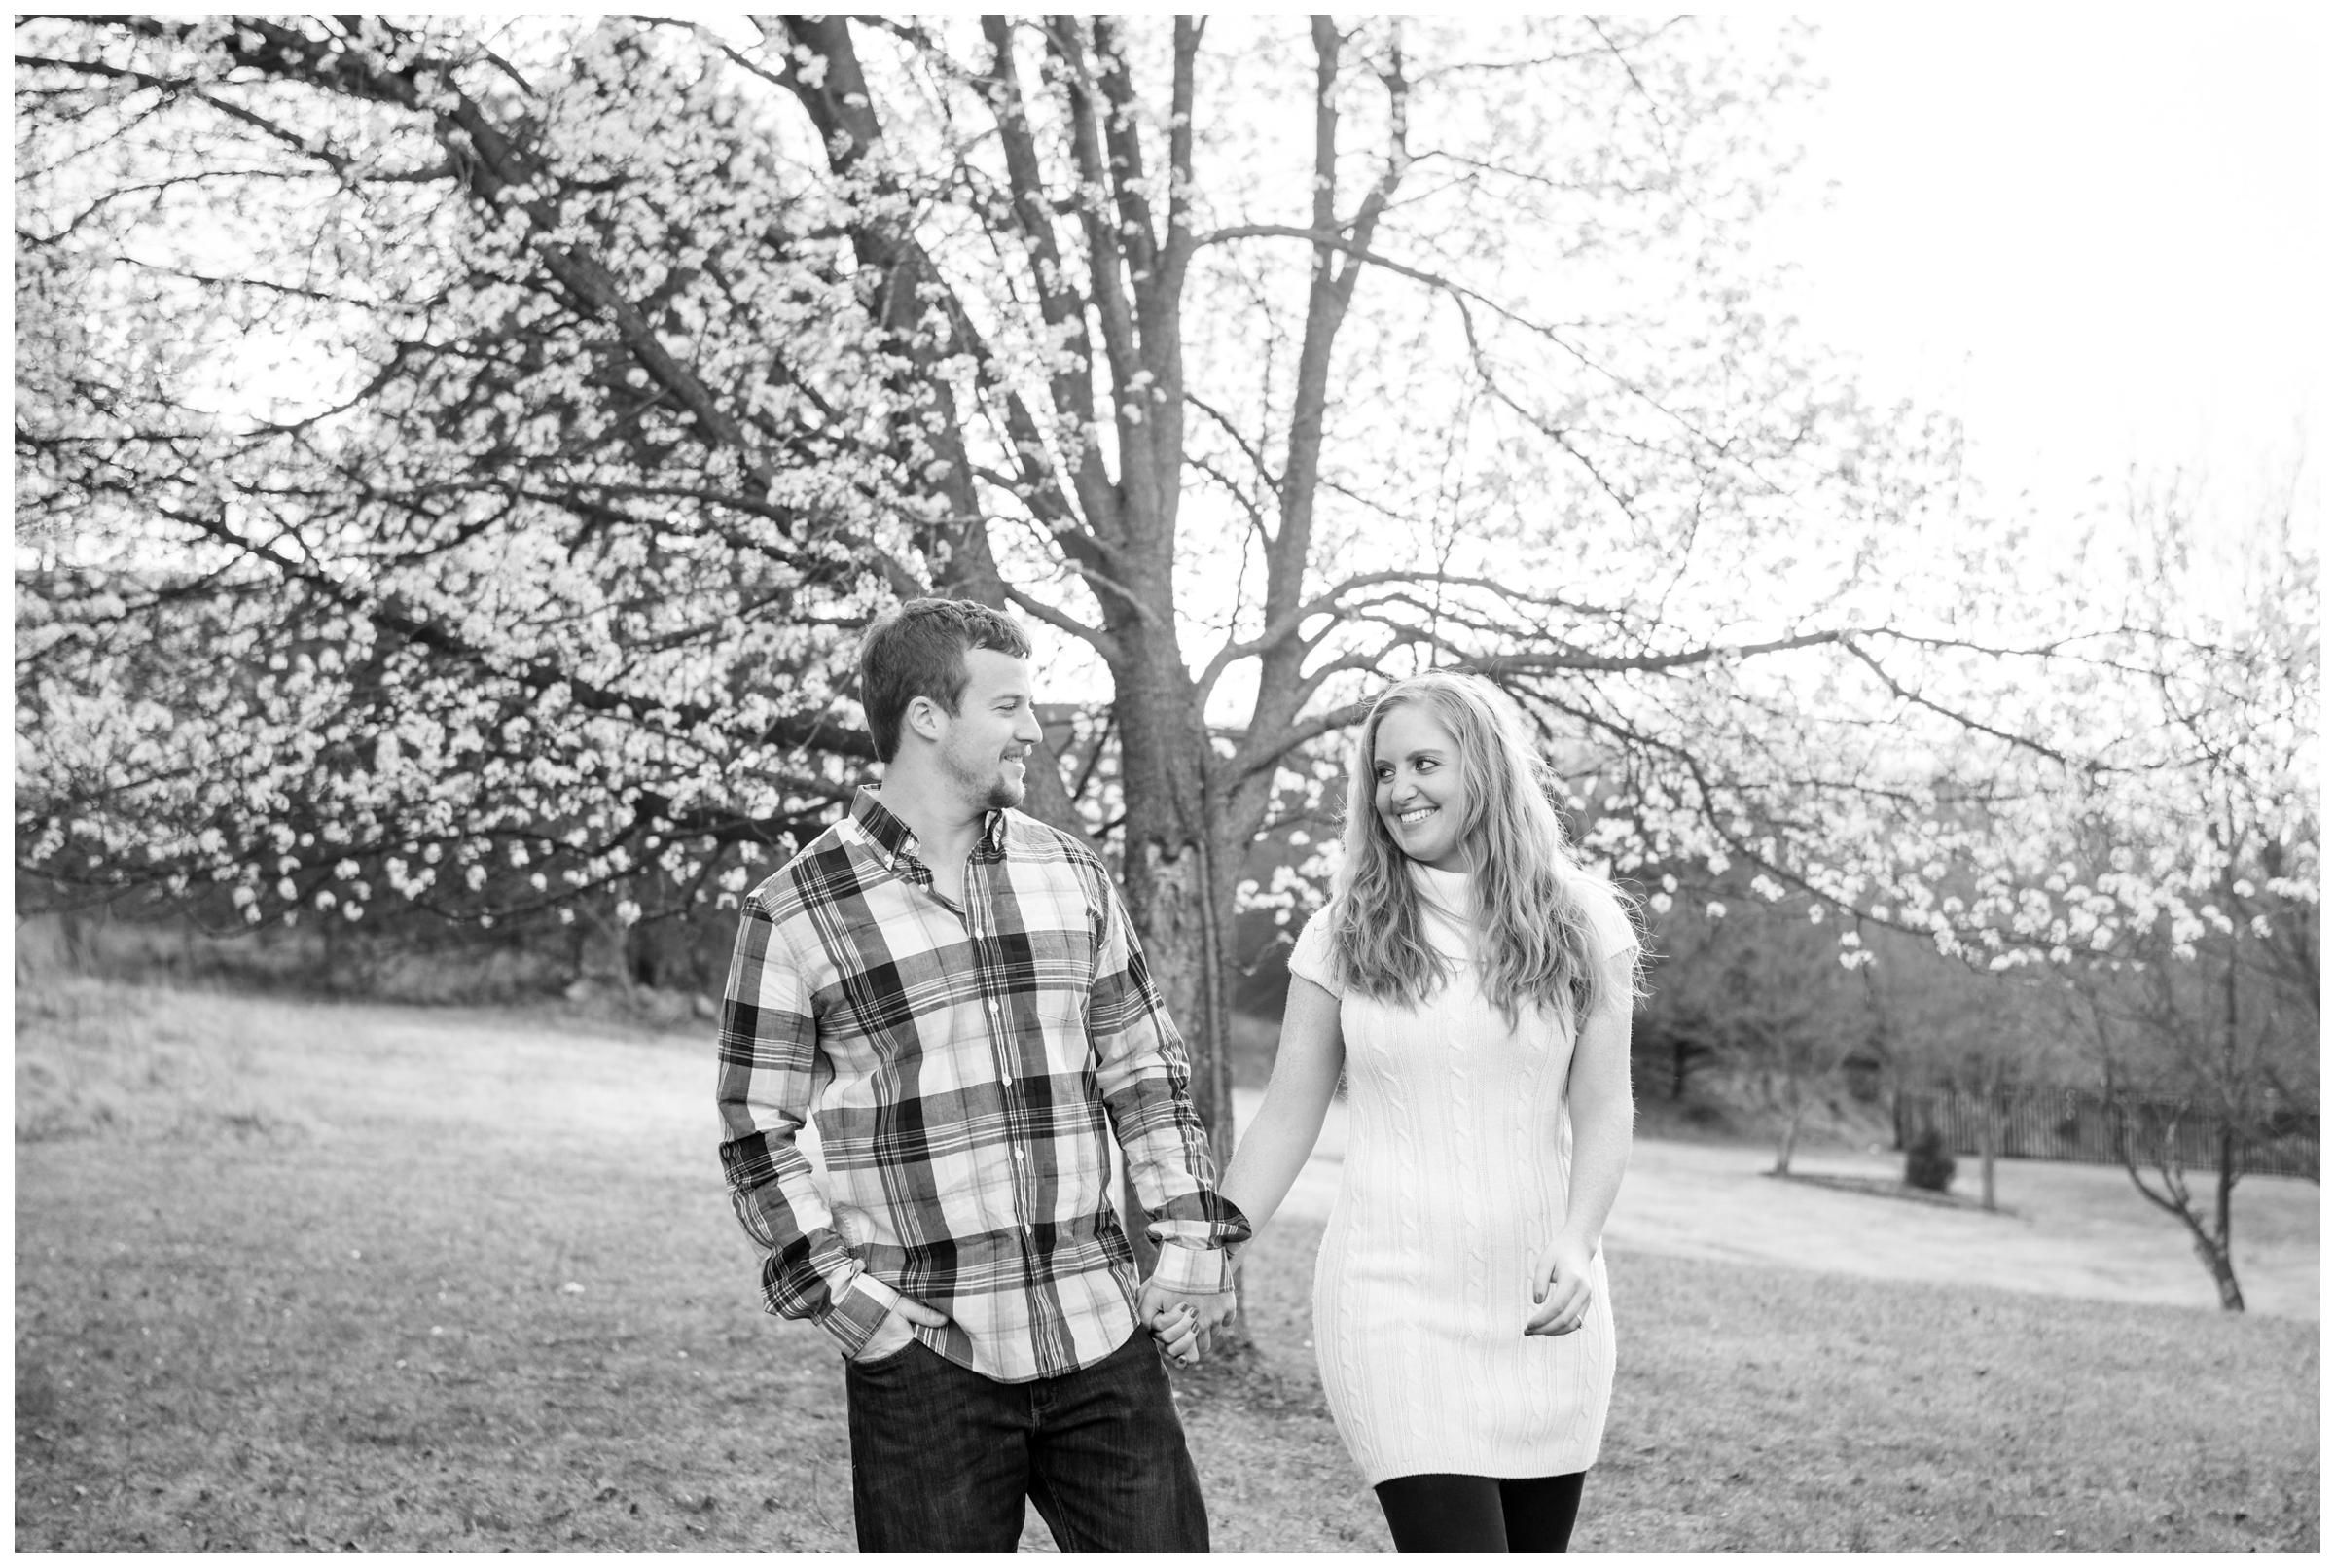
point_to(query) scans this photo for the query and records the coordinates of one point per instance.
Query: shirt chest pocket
(1056, 971)
(1061, 1016)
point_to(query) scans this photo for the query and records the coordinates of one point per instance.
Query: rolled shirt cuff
(1198, 1219)
(1189, 1269)
(858, 1311)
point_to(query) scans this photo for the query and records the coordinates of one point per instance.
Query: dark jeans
(943, 1457)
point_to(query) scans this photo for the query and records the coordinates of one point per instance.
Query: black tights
(1479, 1513)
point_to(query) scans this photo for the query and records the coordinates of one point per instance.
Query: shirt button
(1019, 1155)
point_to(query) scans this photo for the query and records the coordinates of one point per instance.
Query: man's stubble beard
(996, 792)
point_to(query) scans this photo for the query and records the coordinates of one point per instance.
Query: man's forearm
(1168, 1163)
(808, 1271)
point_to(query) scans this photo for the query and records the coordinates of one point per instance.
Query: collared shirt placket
(980, 925)
(979, 917)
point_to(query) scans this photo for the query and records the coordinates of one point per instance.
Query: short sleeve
(1311, 958)
(1610, 926)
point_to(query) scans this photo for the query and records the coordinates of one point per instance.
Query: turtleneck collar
(1452, 892)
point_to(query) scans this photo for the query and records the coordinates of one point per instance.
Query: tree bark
(2216, 1257)
(1176, 874)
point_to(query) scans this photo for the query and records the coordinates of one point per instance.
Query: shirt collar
(896, 838)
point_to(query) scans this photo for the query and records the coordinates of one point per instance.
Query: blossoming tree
(456, 456)
(2200, 996)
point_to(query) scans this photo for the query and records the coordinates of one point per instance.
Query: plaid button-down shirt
(962, 1068)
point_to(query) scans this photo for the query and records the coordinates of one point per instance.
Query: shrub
(1927, 1164)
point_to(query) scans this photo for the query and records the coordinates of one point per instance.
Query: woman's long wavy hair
(1534, 936)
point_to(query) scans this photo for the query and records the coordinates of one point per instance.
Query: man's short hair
(917, 649)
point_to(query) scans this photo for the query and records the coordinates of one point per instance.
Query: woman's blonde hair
(1534, 936)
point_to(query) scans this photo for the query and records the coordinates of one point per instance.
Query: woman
(1475, 985)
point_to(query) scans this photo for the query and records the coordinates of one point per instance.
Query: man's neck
(945, 825)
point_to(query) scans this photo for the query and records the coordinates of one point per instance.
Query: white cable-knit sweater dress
(1457, 1153)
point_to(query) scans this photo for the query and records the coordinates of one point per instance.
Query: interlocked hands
(1182, 1323)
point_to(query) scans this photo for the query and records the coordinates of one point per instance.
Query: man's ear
(924, 718)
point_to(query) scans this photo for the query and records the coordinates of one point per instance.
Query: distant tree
(2204, 993)
(2202, 1039)
(1985, 1036)
(1764, 989)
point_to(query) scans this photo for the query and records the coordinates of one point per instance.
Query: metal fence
(2073, 1124)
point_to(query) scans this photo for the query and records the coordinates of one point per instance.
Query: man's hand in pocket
(893, 1334)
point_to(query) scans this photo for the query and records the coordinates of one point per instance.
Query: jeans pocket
(889, 1359)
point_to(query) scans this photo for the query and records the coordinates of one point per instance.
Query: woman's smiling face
(1422, 795)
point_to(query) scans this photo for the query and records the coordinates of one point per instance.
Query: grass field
(303, 1275)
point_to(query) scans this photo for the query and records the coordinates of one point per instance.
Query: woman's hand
(1560, 1285)
(1156, 1301)
(1177, 1330)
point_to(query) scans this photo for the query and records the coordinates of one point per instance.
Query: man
(953, 991)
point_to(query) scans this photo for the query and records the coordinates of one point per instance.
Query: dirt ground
(2064, 1230)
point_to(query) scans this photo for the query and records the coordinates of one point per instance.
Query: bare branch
(1103, 642)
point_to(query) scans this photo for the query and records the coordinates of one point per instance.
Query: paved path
(2068, 1229)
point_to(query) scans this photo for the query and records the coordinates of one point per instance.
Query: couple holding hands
(952, 992)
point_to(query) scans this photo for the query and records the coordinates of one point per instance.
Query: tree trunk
(1989, 1134)
(333, 941)
(1180, 860)
(603, 946)
(2213, 1250)
(2216, 1254)
(1175, 895)
(2225, 1182)
(73, 931)
(1787, 1140)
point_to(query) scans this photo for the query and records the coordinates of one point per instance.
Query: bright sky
(2100, 238)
